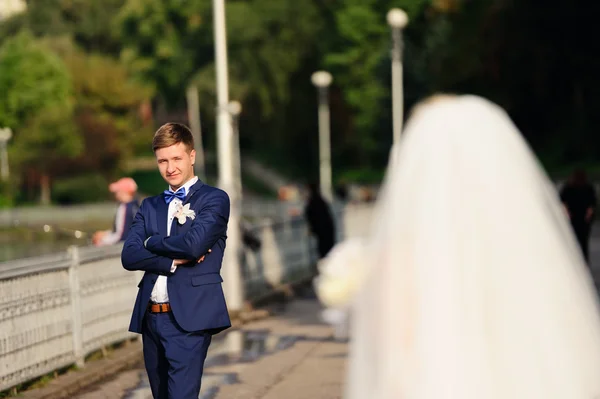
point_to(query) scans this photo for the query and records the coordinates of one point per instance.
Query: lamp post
(397, 19)
(193, 105)
(233, 284)
(5, 135)
(235, 109)
(322, 80)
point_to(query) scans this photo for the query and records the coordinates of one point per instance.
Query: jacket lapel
(193, 191)
(177, 228)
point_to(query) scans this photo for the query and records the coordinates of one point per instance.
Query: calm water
(16, 245)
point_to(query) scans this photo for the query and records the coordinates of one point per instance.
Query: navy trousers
(174, 358)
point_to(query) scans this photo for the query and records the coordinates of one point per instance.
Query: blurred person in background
(124, 190)
(320, 220)
(579, 199)
(470, 283)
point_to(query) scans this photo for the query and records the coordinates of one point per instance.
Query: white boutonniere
(184, 212)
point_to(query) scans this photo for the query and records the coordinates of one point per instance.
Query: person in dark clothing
(320, 220)
(579, 199)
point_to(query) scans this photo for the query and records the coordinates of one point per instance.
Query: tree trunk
(45, 189)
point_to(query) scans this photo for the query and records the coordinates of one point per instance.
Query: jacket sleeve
(134, 256)
(209, 225)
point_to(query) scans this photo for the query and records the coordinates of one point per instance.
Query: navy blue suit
(172, 340)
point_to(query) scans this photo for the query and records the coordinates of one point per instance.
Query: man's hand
(98, 236)
(201, 259)
(177, 262)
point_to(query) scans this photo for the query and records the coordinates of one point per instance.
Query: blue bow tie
(169, 195)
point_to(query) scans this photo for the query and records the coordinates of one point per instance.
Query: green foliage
(80, 189)
(104, 104)
(108, 105)
(6, 194)
(48, 137)
(149, 182)
(90, 23)
(32, 78)
(359, 61)
(354, 63)
(70, 90)
(268, 41)
(363, 176)
(165, 41)
(170, 44)
(37, 103)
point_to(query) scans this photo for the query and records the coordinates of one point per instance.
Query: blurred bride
(470, 284)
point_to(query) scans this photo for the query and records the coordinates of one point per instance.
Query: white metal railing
(56, 309)
(39, 215)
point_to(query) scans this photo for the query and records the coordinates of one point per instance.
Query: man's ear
(193, 156)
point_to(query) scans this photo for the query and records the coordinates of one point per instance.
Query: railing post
(74, 287)
(271, 255)
(309, 260)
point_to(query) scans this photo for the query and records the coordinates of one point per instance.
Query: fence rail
(56, 309)
(254, 208)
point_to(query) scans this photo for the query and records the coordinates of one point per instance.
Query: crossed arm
(135, 256)
(158, 253)
(210, 224)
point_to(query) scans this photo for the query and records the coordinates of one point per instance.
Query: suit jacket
(195, 291)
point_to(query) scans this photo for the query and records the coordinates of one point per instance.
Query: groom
(180, 302)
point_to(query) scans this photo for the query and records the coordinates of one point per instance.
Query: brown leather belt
(159, 307)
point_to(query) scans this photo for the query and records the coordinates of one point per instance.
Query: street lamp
(322, 80)
(235, 109)
(193, 105)
(5, 135)
(397, 19)
(234, 288)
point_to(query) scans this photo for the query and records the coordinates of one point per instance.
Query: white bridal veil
(470, 285)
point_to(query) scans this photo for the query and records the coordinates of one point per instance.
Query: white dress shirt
(159, 292)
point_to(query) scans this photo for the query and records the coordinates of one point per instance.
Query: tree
(269, 44)
(107, 109)
(37, 104)
(44, 142)
(31, 79)
(165, 42)
(89, 22)
(358, 56)
(170, 44)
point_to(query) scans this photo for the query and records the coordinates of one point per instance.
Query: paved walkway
(291, 355)
(312, 367)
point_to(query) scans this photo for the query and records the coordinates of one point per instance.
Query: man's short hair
(172, 133)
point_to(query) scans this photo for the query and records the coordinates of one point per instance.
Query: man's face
(176, 164)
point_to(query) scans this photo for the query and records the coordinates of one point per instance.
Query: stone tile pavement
(312, 367)
(291, 355)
